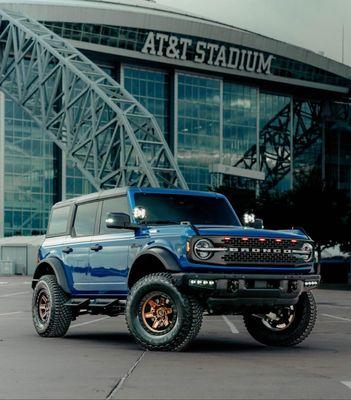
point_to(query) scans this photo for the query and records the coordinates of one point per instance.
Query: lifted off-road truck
(163, 258)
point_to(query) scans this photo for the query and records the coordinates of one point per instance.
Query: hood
(213, 230)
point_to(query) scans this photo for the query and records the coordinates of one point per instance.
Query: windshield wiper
(165, 222)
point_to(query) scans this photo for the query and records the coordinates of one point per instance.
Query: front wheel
(286, 326)
(159, 316)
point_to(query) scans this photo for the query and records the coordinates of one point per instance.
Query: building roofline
(160, 18)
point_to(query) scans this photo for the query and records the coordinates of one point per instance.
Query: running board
(110, 307)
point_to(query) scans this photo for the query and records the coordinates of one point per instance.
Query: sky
(313, 24)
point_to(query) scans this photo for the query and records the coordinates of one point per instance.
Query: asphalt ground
(99, 359)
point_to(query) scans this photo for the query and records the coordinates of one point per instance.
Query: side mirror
(119, 220)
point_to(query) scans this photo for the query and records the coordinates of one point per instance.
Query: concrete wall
(22, 252)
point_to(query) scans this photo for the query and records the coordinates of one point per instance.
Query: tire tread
(192, 323)
(61, 315)
(285, 339)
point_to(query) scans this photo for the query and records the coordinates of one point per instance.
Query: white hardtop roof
(93, 196)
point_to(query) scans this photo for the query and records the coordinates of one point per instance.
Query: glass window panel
(198, 122)
(151, 89)
(58, 221)
(84, 221)
(117, 205)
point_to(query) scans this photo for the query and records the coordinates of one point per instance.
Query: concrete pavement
(99, 359)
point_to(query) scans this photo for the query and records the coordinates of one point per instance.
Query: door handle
(97, 247)
(67, 250)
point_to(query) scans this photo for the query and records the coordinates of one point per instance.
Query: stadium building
(236, 108)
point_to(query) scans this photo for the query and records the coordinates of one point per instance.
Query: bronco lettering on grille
(256, 250)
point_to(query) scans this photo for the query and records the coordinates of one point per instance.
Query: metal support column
(2, 164)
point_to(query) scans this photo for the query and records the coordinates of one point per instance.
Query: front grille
(258, 251)
(238, 250)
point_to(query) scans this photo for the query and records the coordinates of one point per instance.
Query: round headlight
(308, 248)
(200, 249)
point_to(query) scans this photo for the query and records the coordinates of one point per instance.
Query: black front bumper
(246, 290)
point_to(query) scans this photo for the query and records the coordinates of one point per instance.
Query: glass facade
(151, 88)
(76, 183)
(216, 121)
(338, 157)
(239, 120)
(30, 174)
(345, 161)
(198, 137)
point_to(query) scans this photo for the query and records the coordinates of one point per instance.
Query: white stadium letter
(212, 48)
(234, 64)
(251, 64)
(265, 65)
(221, 57)
(243, 54)
(200, 52)
(149, 46)
(162, 38)
(185, 43)
(172, 49)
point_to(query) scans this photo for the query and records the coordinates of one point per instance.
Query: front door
(76, 251)
(110, 249)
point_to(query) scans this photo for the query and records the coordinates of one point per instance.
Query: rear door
(109, 260)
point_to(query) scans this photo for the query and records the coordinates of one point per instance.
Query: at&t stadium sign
(202, 52)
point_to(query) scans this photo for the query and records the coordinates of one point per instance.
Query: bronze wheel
(279, 320)
(44, 306)
(158, 312)
(160, 316)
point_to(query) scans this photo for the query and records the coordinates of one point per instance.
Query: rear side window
(58, 221)
(116, 205)
(84, 222)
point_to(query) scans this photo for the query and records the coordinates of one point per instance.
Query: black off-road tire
(300, 328)
(188, 310)
(59, 317)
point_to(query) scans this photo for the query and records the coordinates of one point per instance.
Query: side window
(84, 222)
(117, 205)
(58, 221)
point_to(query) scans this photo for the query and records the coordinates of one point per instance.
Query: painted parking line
(348, 384)
(13, 294)
(120, 383)
(15, 283)
(88, 322)
(336, 317)
(11, 313)
(230, 324)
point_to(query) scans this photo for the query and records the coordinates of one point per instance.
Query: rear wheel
(286, 326)
(51, 317)
(159, 316)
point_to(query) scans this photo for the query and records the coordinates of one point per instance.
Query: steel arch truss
(276, 149)
(108, 134)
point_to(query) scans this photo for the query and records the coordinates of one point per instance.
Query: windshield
(164, 208)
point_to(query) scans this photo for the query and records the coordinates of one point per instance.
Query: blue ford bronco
(165, 257)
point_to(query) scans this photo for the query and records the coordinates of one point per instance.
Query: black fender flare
(163, 255)
(57, 267)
